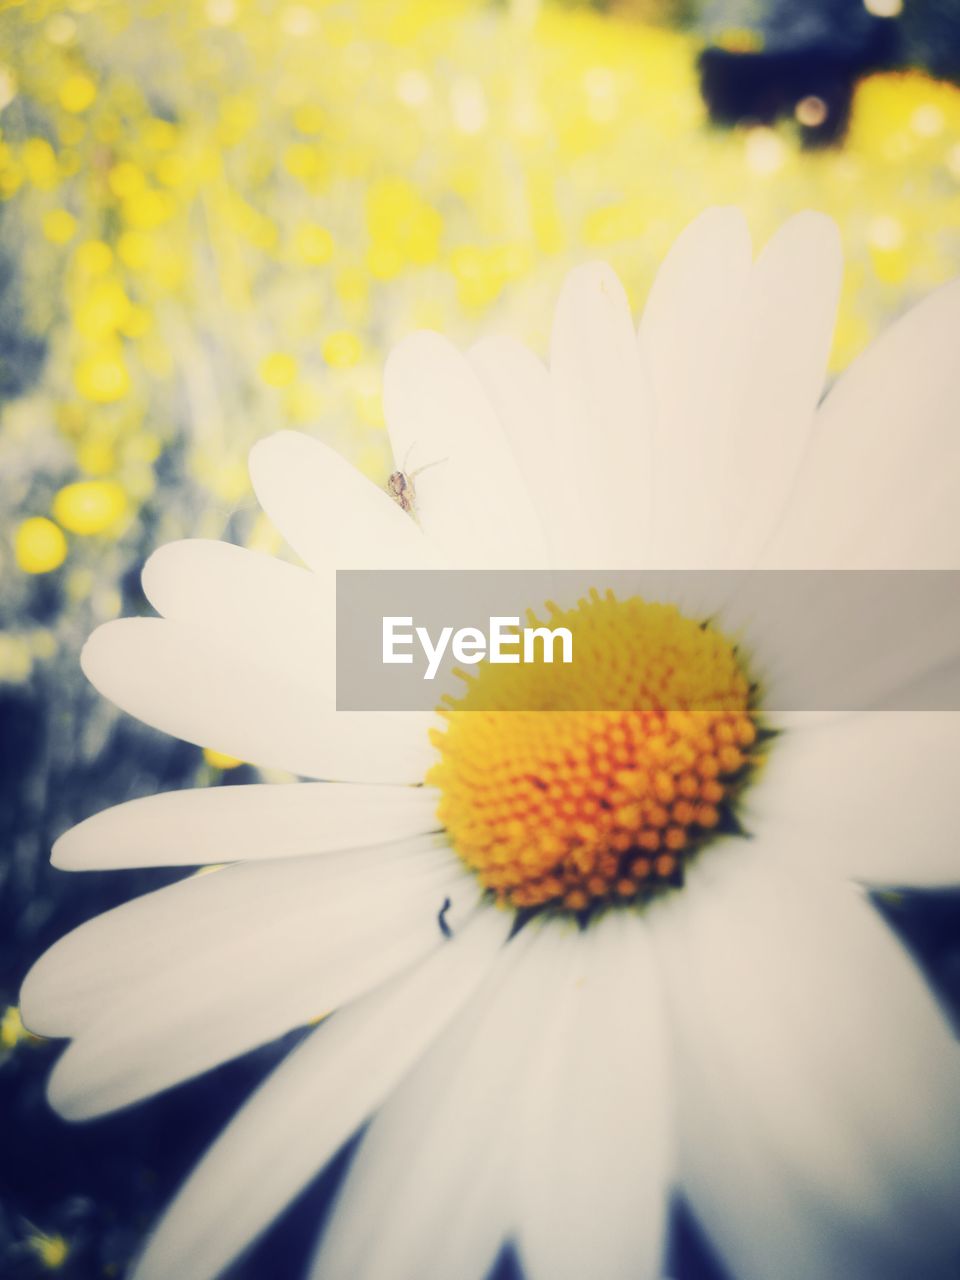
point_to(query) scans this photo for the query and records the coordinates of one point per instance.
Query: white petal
(841, 641)
(237, 823)
(179, 681)
(691, 337)
(804, 1027)
(248, 601)
(332, 516)
(101, 960)
(933, 689)
(433, 1172)
(311, 1104)
(602, 415)
(218, 584)
(879, 485)
(469, 495)
(518, 387)
(737, 354)
(757, 1215)
(291, 963)
(873, 797)
(596, 1169)
(790, 310)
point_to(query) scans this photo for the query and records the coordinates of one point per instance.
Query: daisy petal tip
(724, 223)
(284, 438)
(39, 997)
(60, 854)
(500, 347)
(98, 654)
(414, 351)
(593, 304)
(151, 575)
(418, 339)
(423, 371)
(30, 1002)
(276, 462)
(816, 231)
(67, 1105)
(594, 277)
(721, 230)
(164, 566)
(109, 654)
(274, 449)
(73, 1092)
(71, 851)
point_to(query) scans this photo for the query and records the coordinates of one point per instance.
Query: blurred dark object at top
(930, 36)
(766, 59)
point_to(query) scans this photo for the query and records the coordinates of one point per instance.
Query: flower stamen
(629, 765)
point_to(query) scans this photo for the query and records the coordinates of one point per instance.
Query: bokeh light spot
(341, 350)
(102, 377)
(90, 506)
(39, 545)
(59, 226)
(278, 369)
(93, 257)
(77, 93)
(811, 111)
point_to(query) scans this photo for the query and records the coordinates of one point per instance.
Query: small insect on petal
(400, 484)
(401, 490)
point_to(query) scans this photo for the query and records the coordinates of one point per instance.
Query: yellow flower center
(575, 786)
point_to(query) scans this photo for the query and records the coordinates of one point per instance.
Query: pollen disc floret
(626, 766)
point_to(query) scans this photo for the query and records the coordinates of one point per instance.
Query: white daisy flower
(750, 1034)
